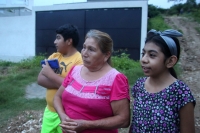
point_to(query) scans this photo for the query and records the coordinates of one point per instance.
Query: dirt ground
(30, 121)
(189, 61)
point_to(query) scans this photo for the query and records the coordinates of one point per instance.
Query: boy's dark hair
(158, 40)
(69, 31)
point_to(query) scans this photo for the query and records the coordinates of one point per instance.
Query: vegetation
(157, 23)
(14, 77)
(129, 67)
(189, 9)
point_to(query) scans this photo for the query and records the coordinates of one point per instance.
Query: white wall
(16, 4)
(17, 33)
(106, 4)
(17, 38)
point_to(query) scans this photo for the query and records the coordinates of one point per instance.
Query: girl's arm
(187, 118)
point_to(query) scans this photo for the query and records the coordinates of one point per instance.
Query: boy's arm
(48, 78)
(46, 82)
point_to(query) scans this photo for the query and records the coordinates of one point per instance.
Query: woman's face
(91, 54)
(152, 61)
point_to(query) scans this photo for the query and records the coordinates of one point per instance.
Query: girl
(162, 103)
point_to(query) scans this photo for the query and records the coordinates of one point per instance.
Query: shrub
(152, 11)
(157, 23)
(128, 67)
(30, 62)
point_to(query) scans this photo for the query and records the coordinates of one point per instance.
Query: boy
(67, 39)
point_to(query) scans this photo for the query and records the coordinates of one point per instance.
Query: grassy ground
(14, 77)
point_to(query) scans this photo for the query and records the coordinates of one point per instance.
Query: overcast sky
(164, 3)
(159, 3)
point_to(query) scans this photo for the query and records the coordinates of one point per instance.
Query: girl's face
(152, 61)
(92, 55)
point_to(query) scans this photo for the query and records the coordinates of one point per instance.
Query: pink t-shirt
(91, 100)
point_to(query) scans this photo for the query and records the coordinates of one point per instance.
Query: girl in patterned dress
(162, 103)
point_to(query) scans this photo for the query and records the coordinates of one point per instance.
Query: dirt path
(189, 61)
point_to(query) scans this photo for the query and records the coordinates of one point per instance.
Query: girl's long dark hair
(157, 39)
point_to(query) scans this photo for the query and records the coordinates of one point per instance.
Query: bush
(30, 62)
(128, 67)
(152, 11)
(157, 23)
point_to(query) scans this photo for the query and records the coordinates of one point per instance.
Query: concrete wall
(17, 38)
(17, 33)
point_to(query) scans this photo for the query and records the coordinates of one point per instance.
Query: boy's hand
(46, 69)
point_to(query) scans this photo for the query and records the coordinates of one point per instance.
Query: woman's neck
(97, 68)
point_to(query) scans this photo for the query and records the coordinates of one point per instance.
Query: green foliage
(129, 67)
(162, 11)
(14, 77)
(152, 11)
(30, 62)
(13, 70)
(176, 9)
(6, 63)
(198, 29)
(189, 7)
(196, 14)
(157, 23)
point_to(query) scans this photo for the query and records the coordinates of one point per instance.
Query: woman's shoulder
(77, 68)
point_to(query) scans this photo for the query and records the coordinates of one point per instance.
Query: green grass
(197, 29)
(14, 77)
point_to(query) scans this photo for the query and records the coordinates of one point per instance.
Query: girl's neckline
(95, 79)
(163, 90)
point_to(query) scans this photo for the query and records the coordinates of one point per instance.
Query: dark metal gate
(122, 24)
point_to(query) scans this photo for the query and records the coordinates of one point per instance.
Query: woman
(94, 97)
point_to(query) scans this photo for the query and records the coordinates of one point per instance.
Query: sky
(158, 3)
(165, 3)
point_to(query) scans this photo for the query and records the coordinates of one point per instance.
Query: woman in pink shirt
(94, 97)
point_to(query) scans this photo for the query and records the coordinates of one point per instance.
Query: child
(66, 41)
(162, 103)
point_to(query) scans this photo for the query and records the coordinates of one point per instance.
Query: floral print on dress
(159, 112)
